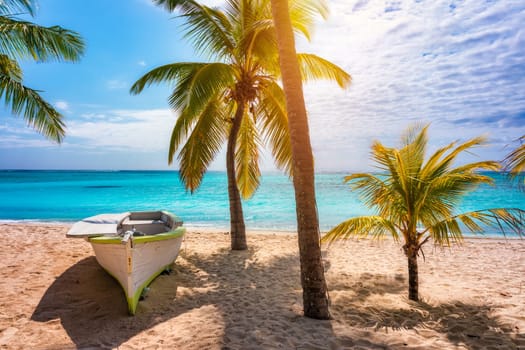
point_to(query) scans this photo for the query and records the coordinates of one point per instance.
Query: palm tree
(515, 160)
(236, 98)
(25, 40)
(415, 200)
(315, 295)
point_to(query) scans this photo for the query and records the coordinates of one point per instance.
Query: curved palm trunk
(315, 295)
(237, 228)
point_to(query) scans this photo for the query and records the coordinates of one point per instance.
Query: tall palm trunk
(315, 295)
(237, 228)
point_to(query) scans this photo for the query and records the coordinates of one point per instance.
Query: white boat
(133, 247)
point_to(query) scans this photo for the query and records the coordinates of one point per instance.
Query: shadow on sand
(256, 306)
(253, 304)
(468, 325)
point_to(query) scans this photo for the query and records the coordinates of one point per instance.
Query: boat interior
(147, 223)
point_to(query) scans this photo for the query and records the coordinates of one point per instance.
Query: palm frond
(515, 160)
(208, 28)
(391, 162)
(360, 227)
(304, 13)
(182, 5)
(274, 123)
(34, 109)
(413, 151)
(169, 73)
(20, 40)
(209, 31)
(210, 80)
(247, 158)
(373, 190)
(505, 220)
(180, 132)
(196, 82)
(9, 7)
(439, 197)
(470, 168)
(445, 163)
(10, 68)
(314, 68)
(259, 44)
(202, 145)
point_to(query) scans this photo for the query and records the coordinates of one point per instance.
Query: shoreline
(258, 231)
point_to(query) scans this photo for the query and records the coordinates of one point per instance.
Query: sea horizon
(66, 196)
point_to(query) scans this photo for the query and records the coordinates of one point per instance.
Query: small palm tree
(515, 160)
(415, 199)
(25, 40)
(236, 98)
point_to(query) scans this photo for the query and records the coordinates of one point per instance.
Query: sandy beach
(54, 295)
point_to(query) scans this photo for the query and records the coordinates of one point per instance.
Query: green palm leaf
(515, 160)
(242, 40)
(303, 14)
(418, 199)
(10, 68)
(195, 83)
(34, 109)
(182, 5)
(247, 158)
(259, 43)
(180, 132)
(206, 81)
(196, 155)
(314, 68)
(274, 124)
(21, 40)
(504, 219)
(361, 227)
(207, 28)
(17, 6)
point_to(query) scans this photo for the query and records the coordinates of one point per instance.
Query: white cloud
(459, 67)
(142, 63)
(132, 130)
(62, 105)
(15, 141)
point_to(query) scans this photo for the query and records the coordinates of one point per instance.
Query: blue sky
(459, 65)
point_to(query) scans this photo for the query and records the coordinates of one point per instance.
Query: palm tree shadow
(256, 304)
(366, 285)
(471, 325)
(264, 307)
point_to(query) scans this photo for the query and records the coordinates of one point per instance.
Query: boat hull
(136, 263)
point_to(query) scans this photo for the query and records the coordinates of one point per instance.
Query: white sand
(54, 295)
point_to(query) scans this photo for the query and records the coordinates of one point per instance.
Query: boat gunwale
(178, 232)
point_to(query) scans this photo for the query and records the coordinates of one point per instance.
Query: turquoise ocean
(68, 196)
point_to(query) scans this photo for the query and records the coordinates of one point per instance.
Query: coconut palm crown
(234, 98)
(21, 40)
(415, 199)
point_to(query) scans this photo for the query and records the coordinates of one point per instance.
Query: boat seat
(141, 222)
(148, 227)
